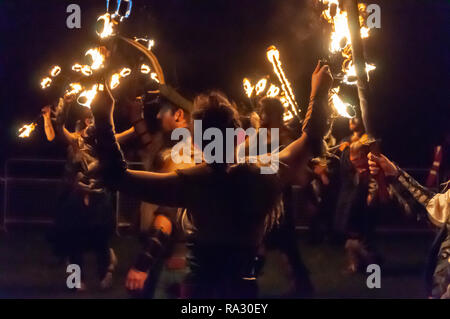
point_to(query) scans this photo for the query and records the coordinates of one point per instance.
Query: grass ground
(28, 270)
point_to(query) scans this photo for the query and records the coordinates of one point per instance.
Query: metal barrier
(32, 199)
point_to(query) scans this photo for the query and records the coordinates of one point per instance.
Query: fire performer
(86, 217)
(438, 211)
(230, 207)
(162, 235)
(357, 206)
(284, 237)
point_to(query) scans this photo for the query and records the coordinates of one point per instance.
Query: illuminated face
(354, 124)
(168, 119)
(358, 157)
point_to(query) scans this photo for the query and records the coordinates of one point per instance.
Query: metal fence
(31, 189)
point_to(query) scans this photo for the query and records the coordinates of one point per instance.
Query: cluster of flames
(340, 43)
(285, 94)
(108, 26)
(145, 69)
(47, 81)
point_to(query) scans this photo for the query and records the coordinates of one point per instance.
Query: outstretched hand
(321, 80)
(381, 162)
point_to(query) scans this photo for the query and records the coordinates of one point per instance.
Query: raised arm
(297, 154)
(61, 117)
(48, 126)
(135, 108)
(161, 189)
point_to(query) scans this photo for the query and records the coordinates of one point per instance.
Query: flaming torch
(273, 55)
(26, 130)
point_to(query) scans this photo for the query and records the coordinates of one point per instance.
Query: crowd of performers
(228, 215)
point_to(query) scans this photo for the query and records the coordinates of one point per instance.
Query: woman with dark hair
(229, 207)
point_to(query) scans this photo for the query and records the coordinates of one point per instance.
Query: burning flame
(55, 71)
(77, 67)
(115, 81)
(260, 86)
(125, 72)
(74, 88)
(273, 55)
(248, 88)
(154, 77)
(108, 26)
(350, 73)
(46, 82)
(150, 42)
(86, 97)
(340, 43)
(340, 36)
(341, 108)
(26, 130)
(97, 58)
(86, 70)
(273, 91)
(145, 69)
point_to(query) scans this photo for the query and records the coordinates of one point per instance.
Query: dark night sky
(214, 44)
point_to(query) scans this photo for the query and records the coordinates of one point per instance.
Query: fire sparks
(97, 58)
(26, 130)
(273, 55)
(108, 26)
(248, 87)
(46, 82)
(260, 86)
(55, 71)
